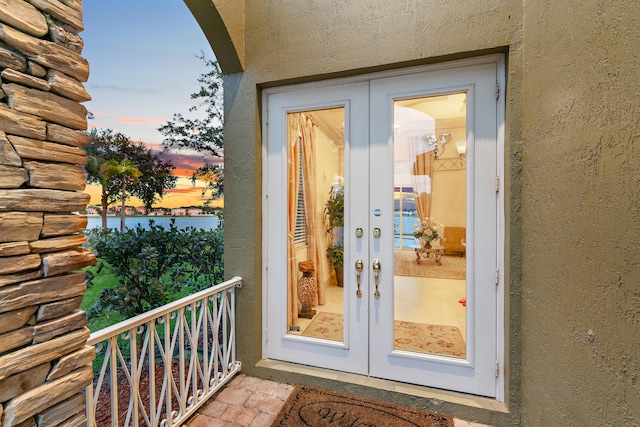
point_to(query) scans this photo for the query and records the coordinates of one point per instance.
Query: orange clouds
(185, 190)
(186, 164)
(156, 148)
(185, 194)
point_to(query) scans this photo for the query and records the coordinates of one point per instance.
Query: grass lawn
(100, 282)
(104, 280)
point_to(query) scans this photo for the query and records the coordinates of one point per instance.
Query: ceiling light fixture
(436, 144)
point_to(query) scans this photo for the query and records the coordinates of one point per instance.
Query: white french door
(414, 158)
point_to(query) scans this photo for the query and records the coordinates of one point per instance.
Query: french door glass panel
(314, 138)
(439, 332)
(315, 217)
(429, 197)
(410, 163)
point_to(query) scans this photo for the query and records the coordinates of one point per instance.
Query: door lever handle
(359, 268)
(376, 269)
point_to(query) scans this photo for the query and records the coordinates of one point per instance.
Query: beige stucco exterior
(572, 185)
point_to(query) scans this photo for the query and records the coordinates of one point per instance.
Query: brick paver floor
(253, 402)
(246, 401)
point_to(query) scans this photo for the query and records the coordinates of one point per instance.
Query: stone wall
(44, 362)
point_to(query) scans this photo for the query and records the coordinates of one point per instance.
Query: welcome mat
(409, 336)
(318, 407)
(453, 267)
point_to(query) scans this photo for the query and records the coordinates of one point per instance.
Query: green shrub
(154, 266)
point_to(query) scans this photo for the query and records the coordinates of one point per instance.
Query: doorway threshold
(460, 405)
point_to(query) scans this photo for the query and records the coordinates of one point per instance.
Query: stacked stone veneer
(44, 360)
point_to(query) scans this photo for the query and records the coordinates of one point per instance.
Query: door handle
(359, 268)
(376, 269)
(377, 233)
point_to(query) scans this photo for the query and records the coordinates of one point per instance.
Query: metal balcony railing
(158, 368)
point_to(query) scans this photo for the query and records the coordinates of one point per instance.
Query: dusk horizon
(138, 83)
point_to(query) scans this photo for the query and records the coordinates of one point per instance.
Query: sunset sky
(144, 67)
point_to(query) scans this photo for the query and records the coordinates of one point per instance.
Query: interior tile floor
(253, 402)
(416, 299)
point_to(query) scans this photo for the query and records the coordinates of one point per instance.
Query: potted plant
(334, 209)
(427, 231)
(336, 256)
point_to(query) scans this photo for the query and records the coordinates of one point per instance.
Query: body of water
(197, 222)
(408, 221)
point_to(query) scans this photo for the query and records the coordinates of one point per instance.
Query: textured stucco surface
(580, 208)
(572, 180)
(327, 39)
(222, 22)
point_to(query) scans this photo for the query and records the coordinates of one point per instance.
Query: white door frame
(350, 355)
(298, 351)
(477, 369)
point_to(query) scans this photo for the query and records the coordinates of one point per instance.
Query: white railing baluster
(114, 381)
(182, 404)
(203, 327)
(232, 322)
(90, 409)
(146, 346)
(201, 371)
(135, 392)
(152, 371)
(168, 360)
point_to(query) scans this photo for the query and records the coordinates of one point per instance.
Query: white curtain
(421, 176)
(316, 234)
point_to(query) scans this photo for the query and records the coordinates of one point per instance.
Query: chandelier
(436, 144)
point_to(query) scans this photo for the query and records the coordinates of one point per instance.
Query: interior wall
(449, 205)
(449, 185)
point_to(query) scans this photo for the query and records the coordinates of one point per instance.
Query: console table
(434, 252)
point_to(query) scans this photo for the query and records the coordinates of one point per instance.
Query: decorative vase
(307, 290)
(426, 244)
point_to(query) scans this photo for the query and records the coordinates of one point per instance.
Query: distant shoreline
(209, 222)
(150, 216)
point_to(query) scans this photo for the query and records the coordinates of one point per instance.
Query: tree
(104, 145)
(126, 171)
(155, 177)
(202, 135)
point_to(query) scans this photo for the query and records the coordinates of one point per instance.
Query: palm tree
(93, 169)
(115, 153)
(125, 171)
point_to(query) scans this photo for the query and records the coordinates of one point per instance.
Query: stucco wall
(580, 207)
(222, 22)
(288, 42)
(572, 178)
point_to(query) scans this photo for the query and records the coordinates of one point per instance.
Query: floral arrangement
(428, 230)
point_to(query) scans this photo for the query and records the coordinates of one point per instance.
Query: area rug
(453, 267)
(416, 337)
(318, 407)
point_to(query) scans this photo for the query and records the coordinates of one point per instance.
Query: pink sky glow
(142, 120)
